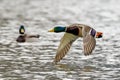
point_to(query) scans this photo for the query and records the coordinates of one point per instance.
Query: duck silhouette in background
(72, 33)
(24, 37)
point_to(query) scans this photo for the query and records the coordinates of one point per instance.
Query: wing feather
(64, 46)
(89, 43)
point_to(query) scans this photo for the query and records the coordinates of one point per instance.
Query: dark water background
(33, 60)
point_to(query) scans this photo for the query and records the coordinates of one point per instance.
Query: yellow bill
(52, 30)
(22, 30)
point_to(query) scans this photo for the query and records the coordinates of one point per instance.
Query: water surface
(33, 60)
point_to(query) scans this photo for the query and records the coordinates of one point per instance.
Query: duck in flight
(73, 32)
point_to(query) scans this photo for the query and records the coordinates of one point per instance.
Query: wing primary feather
(64, 46)
(89, 44)
(62, 53)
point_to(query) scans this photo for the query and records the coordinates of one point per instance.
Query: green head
(58, 29)
(21, 29)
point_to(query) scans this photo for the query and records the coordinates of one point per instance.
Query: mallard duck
(23, 37)
(73, 32)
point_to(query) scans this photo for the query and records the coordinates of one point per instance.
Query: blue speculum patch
(93, 32)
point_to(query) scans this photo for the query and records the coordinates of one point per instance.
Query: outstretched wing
(64, 46)
(89, 43)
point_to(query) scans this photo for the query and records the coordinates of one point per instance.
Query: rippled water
(33, 60)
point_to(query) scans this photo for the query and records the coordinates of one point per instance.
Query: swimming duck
(23, 37)
(72, 33)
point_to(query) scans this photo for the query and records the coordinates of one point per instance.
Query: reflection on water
(33, 60)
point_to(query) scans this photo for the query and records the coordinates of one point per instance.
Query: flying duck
(73, 32)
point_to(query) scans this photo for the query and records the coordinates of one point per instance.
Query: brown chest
(75, 30)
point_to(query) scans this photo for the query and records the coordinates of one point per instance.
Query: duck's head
(21, 29)
(99, 35)
(58, 29)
